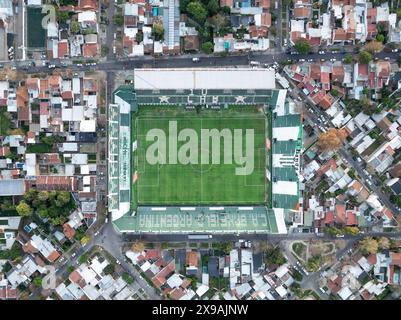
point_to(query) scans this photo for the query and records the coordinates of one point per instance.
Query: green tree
(302, 46)
(348, 59)
(104, 51)
(184, 4)
(118, 20)
(158, 31)
(74, 27)
(109, 269)
(212, 7)
(43, 195)
(37, 281)
(364, 57)
(197, 11)
(380, 38)
(84, 258)
(207, 47)
(62, 16)
(274, 256)
(139, 37)
(24, 210)
(127, 278)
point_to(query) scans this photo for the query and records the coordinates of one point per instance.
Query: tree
(37, 281)
(373, 46)
(138, 246)
(118, 20)
(24, 210)
(226, 10)
(396, 199)
(380, 38)
(104, 51)
(62, 16)
(63, 197)
(43, 195)
(109, 269)
(351, 230)
(368, 246)
(158, 31)
(313, 263)
(139, 37)
(197, 11)
(218, 21)
(302, 46)
(207, 47)
(127, 278)
(348, 59)
(364, 57)
(84, 258)
(331, 140)
(184, 4)
(384, 243)
(74, 27)
(275, 256)
(212, 7)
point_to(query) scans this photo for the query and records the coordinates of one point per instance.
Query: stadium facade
(206, 88)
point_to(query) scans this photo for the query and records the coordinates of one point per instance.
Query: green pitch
(192, 184)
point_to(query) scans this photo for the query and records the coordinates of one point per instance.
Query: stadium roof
(156, 79)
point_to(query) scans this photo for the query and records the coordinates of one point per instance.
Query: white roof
(281, 271)
(202, 290)
(281, 291)
(70, 146)
(86, 16)
(204, 79)
(174, 281)
(286, 133)
(345, 293)
(88, 125)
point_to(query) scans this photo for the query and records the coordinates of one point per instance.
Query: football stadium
(203, 151)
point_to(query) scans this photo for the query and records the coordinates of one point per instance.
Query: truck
(199, 236)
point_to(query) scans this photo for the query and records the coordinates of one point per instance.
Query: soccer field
(192, 184)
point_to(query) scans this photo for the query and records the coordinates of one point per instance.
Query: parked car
(195, 59)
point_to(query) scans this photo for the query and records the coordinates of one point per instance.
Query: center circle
(201, 168)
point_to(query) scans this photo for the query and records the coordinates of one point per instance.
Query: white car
(301, 60)
(52, 66)
(195, 59)
(321, 52)
(394, 50)
(387, 58)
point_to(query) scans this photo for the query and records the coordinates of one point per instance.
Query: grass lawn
(5, 122)
(39, 148)
(179, 184)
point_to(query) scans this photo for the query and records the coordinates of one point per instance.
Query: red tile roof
(351, 218)
(89, 49)
(363, 70)
(192, 258)
(340, 214)
(63, 48)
